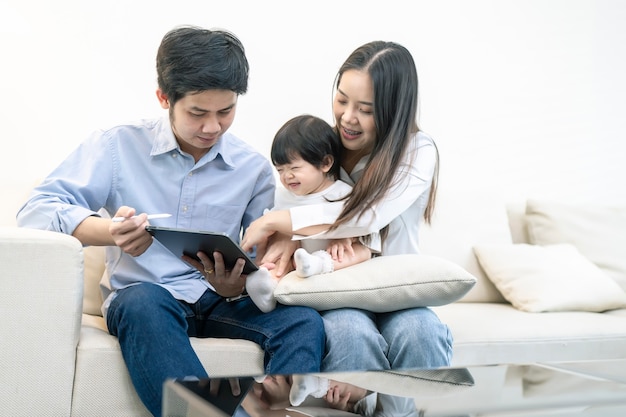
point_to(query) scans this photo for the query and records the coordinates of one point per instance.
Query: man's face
(200, 119)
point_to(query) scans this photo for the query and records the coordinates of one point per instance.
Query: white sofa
(57, 358)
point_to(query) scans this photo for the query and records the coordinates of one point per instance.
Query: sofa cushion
(598, 232)
(549, 278)
(381, 284)
(495, 333)
(102, 385)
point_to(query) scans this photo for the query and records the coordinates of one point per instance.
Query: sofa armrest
(41, 295)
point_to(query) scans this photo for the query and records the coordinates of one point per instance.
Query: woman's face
(353, 108)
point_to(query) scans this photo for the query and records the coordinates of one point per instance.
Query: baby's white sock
(318, 262)
(260, 286)
(305, 385)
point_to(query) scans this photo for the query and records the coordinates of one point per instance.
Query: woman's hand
(256, 404)
(338, 399)
(280, 250)
(227, 283)
(257, 235)
(260, 230)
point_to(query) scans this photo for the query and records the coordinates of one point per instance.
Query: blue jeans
(153, 329)
(358, 340)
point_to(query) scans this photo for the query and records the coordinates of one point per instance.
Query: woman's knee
(353, 342)
(416, 330)
(348, 323)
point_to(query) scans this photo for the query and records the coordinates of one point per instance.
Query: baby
(305, 152)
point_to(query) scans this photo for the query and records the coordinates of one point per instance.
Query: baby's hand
(337, 247)
(338, 400)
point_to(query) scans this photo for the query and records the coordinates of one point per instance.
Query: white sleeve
(412, 180)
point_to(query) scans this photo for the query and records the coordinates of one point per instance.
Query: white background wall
(524, 98)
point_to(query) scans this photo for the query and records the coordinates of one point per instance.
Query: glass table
(587, 389)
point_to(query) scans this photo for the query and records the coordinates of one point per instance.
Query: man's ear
(163, 100)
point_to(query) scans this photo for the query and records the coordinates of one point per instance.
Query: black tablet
(188, 242)
(197, 398)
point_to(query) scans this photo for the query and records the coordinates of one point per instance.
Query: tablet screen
(188, 242)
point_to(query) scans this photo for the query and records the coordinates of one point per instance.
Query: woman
(393, 168)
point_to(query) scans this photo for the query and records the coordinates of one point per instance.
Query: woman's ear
(163, 100)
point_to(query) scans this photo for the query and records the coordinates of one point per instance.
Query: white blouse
(402, 208)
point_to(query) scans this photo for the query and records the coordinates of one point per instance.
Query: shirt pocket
(225, 218)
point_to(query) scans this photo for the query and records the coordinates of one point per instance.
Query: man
(187, 165)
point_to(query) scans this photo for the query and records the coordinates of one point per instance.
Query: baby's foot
(305, 385)
(307, 264)
(260, 286)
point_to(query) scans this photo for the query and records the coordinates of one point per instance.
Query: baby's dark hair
(310, 138)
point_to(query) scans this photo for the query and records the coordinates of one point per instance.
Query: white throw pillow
(381, 284)
(598, 232)
(549, 278)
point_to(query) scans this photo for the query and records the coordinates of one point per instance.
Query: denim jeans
(358, 340)
(153, 329)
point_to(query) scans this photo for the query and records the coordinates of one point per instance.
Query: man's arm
(94, 231)
(130, 235)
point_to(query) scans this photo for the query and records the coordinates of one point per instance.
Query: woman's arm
(410, 183)
(313, 220)
(260, 230)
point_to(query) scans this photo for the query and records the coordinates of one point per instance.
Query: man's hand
(131, 235)
(227, 283)
(214, 386)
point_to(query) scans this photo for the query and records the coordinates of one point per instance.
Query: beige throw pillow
(382, 284)
(598, 232)
(549, 278)
(93, 270)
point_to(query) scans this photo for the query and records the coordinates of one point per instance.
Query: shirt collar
(165, 141)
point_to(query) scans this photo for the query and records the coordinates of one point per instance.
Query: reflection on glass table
(493, 391)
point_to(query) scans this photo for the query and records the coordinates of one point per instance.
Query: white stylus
(150, 217)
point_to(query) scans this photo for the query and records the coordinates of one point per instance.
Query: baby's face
(302, 178)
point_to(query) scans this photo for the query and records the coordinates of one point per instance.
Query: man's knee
(141, 303)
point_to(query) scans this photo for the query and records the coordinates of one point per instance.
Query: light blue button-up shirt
(141, 165)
